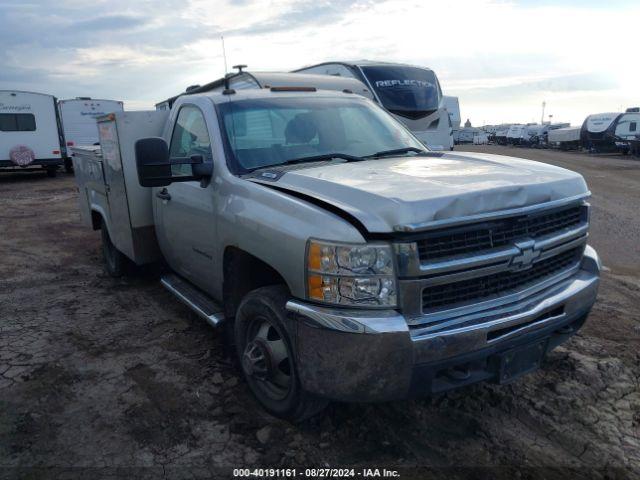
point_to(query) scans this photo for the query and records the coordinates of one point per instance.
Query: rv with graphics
(626, 130)
(345, 260)
(598, 132)
(30, 134)
(412, 94)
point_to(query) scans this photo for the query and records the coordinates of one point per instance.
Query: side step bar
(194, 298)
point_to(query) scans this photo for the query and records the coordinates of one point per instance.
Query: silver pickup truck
(349, 261)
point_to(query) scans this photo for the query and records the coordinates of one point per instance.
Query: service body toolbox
(108, 181)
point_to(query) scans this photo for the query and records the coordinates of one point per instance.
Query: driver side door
(186, 209)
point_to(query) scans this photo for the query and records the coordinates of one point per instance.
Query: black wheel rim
(266, 359)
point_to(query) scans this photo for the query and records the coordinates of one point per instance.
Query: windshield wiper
(318, 158)
(396, 151)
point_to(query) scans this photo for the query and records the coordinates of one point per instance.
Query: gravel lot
(104, 378)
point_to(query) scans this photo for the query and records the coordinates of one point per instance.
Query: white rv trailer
(515, 134)
(567, 138)
(598, 132)
(466, 135)
(30, 133)
(244, 80)
(412, 94)
(78, 118)
(481, 138)
(452, 105)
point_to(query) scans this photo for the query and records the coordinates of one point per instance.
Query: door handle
(163, 194)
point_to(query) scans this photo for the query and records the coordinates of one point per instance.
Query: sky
(501, 58)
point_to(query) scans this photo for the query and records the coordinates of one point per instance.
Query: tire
(114, 259)
(68, 165)
(52, 172)
(267, 358)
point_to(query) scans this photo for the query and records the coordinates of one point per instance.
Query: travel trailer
(500, 136)
(515, 134)
(30, 133)
(78, 118)
(626, 129)
(412, 94)
(453, 108)
(598, 132)
(243, 80)
(564, 138)
(465, 135)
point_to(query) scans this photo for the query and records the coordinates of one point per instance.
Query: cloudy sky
(502, 58)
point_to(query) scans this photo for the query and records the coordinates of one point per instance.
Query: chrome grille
(490, 286)
(498, 233)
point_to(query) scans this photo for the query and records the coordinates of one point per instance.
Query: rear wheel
(267, 358)
(68, 165)
(52, 172)
(114, 259)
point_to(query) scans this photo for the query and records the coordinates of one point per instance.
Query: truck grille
(478, 289)
(498, 233)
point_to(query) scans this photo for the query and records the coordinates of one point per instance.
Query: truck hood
(420, 192)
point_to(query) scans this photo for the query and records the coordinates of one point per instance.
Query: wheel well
(96, 220)
(243, 273)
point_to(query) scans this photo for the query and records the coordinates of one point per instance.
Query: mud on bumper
(365, 355)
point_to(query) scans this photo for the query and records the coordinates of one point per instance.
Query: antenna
(224, 55)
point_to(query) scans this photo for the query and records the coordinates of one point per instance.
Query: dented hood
(391, 194)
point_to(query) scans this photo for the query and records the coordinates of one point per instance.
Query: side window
(17, 122)
(190, 137)
(633, 126)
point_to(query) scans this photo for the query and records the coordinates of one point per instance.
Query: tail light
(56, 152)
(70, 144)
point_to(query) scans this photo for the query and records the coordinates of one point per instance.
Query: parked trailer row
(601, 132)
(36, 129)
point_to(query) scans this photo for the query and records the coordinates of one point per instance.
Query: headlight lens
(351, 274)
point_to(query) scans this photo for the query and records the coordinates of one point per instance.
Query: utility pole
(544, 104)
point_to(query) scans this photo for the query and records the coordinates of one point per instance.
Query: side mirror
(153, 163)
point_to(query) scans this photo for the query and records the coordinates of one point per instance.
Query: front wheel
(114, 259)
(267, 358)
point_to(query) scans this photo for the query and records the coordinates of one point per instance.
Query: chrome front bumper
(376, 355)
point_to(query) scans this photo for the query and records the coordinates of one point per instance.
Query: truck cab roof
(281, 92)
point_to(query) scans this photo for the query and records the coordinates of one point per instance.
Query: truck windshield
(407, 91)
(274, 131)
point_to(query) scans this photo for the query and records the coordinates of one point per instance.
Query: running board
(194, 298)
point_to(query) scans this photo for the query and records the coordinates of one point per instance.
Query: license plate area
(520, 360)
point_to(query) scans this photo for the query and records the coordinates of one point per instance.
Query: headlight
(356, 275)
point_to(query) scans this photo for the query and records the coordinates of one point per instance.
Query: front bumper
(365, 355)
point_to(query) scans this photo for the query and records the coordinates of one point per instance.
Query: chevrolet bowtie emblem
(528, 254)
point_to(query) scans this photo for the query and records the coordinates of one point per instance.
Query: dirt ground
(115, 378)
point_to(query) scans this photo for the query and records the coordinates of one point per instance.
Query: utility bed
(107, 181)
